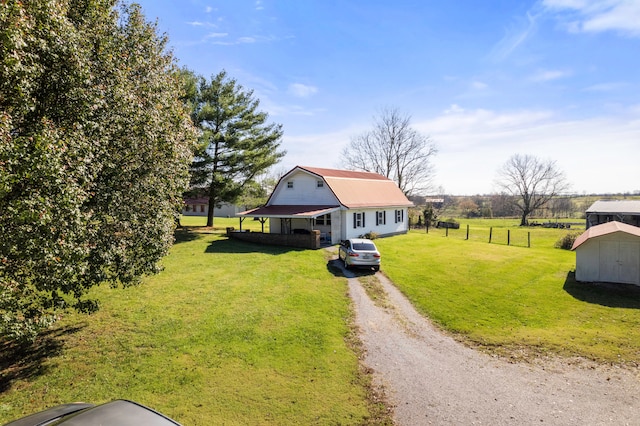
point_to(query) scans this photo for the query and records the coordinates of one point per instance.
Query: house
(340, 204)
(603, 211)
(199, 207)
(609, 252)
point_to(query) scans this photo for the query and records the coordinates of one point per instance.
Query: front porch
(296, 223)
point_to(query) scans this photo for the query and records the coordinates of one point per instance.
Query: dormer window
(320, 184)
(290, 184)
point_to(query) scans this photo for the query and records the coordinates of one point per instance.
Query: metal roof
(615, 206)
(356, 189)
(605, 229)
(287, 211)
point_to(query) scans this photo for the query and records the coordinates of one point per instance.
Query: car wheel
(376, 268)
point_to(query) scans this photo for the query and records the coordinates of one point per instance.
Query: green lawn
(234, 333)
(514, 298)
(229, 333)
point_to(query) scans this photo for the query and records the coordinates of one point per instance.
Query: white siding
(610, 258)
(387, 226)
(305, 191)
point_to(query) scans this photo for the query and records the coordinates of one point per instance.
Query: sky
(483, 79)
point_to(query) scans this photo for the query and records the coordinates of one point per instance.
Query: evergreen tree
(236, 143)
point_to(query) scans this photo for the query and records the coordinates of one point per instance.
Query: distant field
(507, 231)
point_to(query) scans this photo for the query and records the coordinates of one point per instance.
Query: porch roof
(289, 211)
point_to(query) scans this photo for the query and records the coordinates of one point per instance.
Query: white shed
(609, 252)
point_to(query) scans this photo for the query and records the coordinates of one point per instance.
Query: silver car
(359, 252)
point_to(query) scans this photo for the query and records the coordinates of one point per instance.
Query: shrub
(370, 235)
(566, 242)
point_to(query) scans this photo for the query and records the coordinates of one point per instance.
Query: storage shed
(609, 252)
(603, 211)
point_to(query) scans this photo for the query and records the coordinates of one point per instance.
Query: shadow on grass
(184, 235)
(22, 361)
(231, 245)
(605, 294)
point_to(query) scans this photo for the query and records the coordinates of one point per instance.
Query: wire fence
(498, 235)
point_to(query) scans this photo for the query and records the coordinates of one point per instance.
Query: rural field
(235, 333)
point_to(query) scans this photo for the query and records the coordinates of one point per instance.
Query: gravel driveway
(429, 378)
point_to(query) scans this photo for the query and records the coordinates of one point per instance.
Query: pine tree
(236, 143)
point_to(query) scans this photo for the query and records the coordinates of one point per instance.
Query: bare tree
(531, 182)
(394, 150)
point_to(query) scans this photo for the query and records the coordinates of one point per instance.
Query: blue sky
(485, 79)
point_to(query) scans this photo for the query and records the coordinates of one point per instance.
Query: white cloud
(473, 144)
(514, 36)
(216, 35)
(605, 87)
(478, 85)
(548, 75)
(300, 90)
(622, 16)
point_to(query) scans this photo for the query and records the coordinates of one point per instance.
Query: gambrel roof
(605, 229)
(352, 190)
(355, 189)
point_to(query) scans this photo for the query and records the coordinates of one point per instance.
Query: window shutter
(363, 215)
(354, 221)
(384, 217)
(377, 222)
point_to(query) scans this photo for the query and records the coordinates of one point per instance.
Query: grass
(514, 299)
(229, 333)
(234, 333)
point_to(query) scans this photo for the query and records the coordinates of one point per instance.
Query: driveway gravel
(430, 378)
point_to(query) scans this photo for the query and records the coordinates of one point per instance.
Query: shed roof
(356, 189)
(605, 229)
(615, 206)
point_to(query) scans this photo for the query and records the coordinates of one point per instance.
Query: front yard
(235, 333)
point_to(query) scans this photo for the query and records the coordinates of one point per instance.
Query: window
(399, 216)
(202, 208)
(290, 184)
(319, 184)
(323, 220)
(381, 218)
(358, 220)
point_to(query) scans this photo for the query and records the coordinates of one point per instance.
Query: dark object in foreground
(119, 412)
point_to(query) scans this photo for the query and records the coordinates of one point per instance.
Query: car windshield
(364, 247)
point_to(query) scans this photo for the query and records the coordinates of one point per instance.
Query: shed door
(629, 260)
(609, 269)
(620, 262)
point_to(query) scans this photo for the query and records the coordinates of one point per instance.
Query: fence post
(529, 239)
(467, 231)
(447, 231)
(490, 233)
(508, 237)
